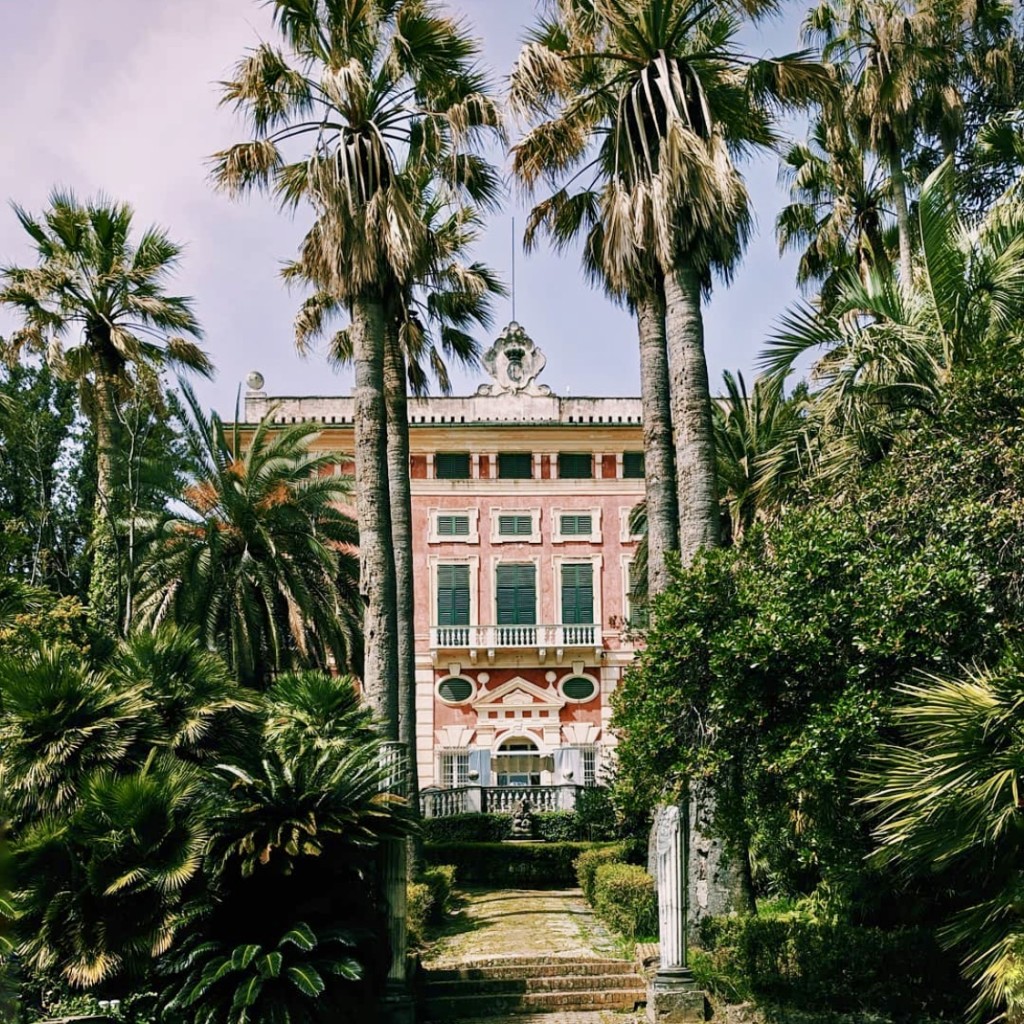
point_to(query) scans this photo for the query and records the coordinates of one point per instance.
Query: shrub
(419, 902)
(624, 898)
(468, 828)
(557, 827)
(839, 967)
(509, 864)
(440, 879)
(587, 863)
(595, 816)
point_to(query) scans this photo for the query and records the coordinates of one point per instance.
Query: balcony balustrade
(504, 638)
(442, 803)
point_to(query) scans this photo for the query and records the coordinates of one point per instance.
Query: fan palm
(646, 103)
(888, 350)
(836, 216)
(949, 802)
(95, 307)
(358, 83)
(258, 556)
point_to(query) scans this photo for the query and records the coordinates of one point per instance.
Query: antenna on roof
(513, 268)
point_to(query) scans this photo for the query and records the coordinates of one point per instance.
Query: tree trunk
(104, 579)
(899, 196)
(373, 512)
(401, 533)
(692, 430)
(659, 460)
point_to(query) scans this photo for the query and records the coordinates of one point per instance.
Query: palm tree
(889, 349)
(650, 101)
(836, 216)
(258, 555)
(359, 82)
(95, 307)
(947, 803)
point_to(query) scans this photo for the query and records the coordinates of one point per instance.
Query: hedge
(510, 864)
(624, 898)
(428, 900)
(468, 828)
(587, 863)
(839, 967)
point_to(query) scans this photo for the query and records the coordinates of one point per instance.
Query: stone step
(521, 968)
(565, 1017)
(463, 1007)
(513, 983)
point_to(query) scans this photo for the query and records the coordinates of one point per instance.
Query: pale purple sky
(121, 96)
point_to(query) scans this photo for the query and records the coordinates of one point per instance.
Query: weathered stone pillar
(398, 1005)
(672, 996)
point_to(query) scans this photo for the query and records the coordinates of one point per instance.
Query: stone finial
(254, 381)
(515, 362)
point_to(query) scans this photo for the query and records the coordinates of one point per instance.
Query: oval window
(579, 688)
(455, 690)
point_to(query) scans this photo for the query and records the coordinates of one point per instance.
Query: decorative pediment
(520, 693)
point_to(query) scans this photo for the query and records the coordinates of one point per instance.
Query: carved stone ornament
(514, 362)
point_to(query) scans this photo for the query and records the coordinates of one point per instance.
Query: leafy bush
(509, 864)
(587, 863)
(595, 815)
(624, 898)
(839, 967)
(556, 827)
(419, 902)
(468, 828)
(428, 900)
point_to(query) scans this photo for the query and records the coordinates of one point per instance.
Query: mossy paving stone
(508, 923)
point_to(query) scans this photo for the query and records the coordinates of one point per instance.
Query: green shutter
(577, 593)
(515, 525)
(517, 594)
(575, 465)
(577, 525)
(633, 465)
(453, 595)
(451, 465)
(515, 465)
(637, 605)
(453, 526)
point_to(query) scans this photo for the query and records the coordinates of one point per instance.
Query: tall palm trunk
(373, 512)
(401, 535)
(692, 429)
(659, 460)
(899, 198)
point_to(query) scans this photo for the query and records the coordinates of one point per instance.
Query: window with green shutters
(515, 465)
(452, 526)
(512, 525)
(637, 598)
(516, 585)
(577, 593)
(451, 465)
(575, 465)
(452, 595)
(633, 465)
(576, 525)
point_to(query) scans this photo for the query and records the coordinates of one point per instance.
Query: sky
(121, 97)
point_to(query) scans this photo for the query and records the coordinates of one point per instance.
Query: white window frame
(595, 536)
(533, 538)
(497, 560)
(627, 561)
(579, 675)
(453, 767)
(456, 703)
(556, 565)
(592, 749)
(473, 561)
(625, 536)
(473, 537)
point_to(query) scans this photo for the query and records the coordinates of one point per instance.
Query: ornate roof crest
(515, 362)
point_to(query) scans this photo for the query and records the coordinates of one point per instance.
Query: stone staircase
(510, 986)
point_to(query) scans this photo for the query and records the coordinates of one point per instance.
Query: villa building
(521, 504)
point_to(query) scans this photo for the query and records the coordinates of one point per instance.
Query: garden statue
(522, 820)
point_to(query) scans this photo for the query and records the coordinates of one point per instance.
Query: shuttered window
(637, 598)
(515, 525)
(453, 526)
(633, 465)
(575, 525)
(577, 593)
(453, 595)
(451, 465)
(517, 594)
(515, 465)
(575, 465)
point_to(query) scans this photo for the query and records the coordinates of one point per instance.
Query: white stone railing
(505, 637)
(442, 803)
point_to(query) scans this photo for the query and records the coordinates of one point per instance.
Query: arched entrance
(517, 762)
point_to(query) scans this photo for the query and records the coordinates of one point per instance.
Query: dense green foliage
(625, 899)
(429, 900)
(510, 865)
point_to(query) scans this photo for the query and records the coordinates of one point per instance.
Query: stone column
(397, 1003)
(672, 996)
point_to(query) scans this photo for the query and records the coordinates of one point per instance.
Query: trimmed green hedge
(902, 973)
(510, 864)
(428, 900)
(624, 898)
(468, 828)
(587, 863)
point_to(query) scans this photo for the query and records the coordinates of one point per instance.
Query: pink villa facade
(523, 553)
